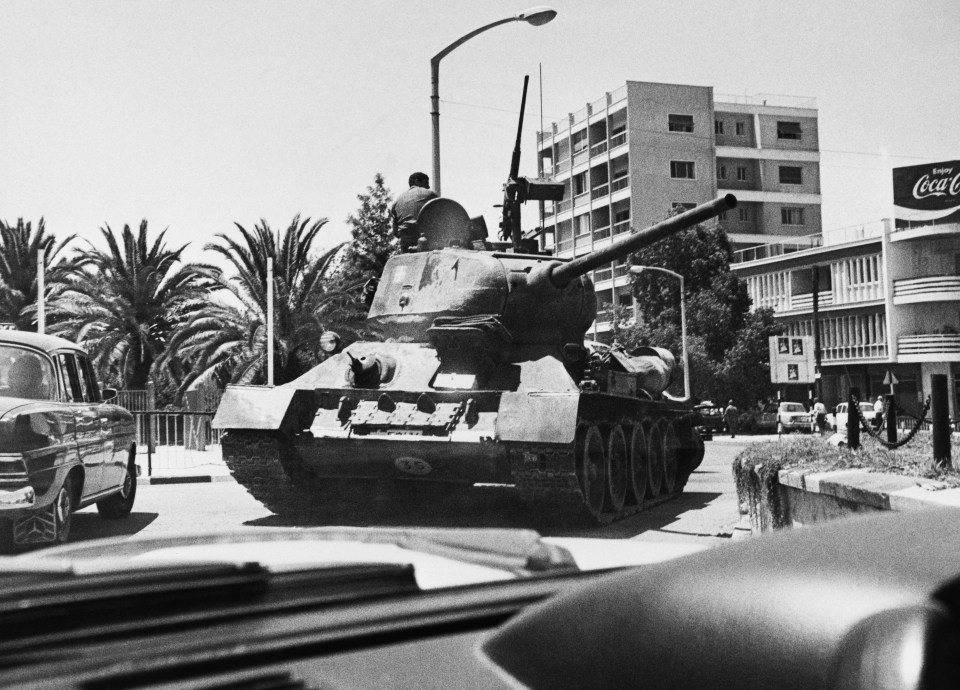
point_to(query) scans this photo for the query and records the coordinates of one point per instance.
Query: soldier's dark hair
(419, 179)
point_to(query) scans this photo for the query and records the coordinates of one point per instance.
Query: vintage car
(784, 417)
(62, 445)
(838, 420)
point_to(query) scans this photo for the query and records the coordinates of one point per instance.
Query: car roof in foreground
(41, 341)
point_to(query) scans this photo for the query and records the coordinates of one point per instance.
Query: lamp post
(536, 16)
(637, 270)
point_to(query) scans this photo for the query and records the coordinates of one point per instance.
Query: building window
(582, 225)
(682, 170)
(788, 130)
(741, 173)
(718, 126)
(791, 175)
(741, 129)
(744, 214)
(580, 184)
(680, 123)
(579, 141)
(721, 172)
(791, 216)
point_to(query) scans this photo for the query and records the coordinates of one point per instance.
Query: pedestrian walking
(878, 412)
(731, 415)
(819, 415)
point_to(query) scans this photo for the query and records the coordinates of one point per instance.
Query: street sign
(791, 359)
(890, 379)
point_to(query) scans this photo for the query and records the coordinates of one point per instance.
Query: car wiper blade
(57, 605)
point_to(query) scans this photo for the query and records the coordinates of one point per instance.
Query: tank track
(265, 464)
(547, 480)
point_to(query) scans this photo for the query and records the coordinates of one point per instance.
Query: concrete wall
(772, 220)
(810, 172)
(653, 146)
(809, 140)
(729, 136)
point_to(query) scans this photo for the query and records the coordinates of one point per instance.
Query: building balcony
(923, 231)
(620, 183)
(929, 347)
(618, 140)
(600, 191)
(850, 353)
(621, 227)
(598, 148)
(804, 301)
(927, 289)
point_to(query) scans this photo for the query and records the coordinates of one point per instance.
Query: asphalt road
(707, 510)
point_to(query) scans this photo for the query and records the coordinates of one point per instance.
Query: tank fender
(535, 417)
(267, 409)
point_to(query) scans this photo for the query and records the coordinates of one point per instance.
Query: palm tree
(124, 303)
(19, 246)
(227, 341)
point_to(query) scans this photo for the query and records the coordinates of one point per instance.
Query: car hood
(440, 557)
(8, 405)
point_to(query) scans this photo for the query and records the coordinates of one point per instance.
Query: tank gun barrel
(564, 273)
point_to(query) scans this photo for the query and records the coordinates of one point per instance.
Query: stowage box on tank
(482, 375)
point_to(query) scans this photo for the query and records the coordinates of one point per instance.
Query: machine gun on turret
(518, 190)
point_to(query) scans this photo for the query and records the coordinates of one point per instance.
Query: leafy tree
(373, 238)
(19, 245)
(124, 303)
(727, 344)
(226, 340)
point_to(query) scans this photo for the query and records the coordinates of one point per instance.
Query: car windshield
(25, 374)
(241, 290)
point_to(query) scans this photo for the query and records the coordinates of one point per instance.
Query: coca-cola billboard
(927, 194)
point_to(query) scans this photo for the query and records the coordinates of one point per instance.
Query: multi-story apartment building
(632, 157)
(888, 306)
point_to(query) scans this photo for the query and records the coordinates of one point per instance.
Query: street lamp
(536, 16)
(637, 270)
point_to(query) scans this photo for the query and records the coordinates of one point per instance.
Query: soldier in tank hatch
(406, 208)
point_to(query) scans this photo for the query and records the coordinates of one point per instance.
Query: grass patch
(814, 454)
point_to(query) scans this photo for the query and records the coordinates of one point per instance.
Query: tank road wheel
(671, 450)
(638, 463)
(591, 468)
(655, 461)
(618, 470)
(267, 466)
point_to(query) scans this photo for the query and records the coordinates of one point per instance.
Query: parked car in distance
(838, 420)
(711, 417)
(62, 445)
(784, 417)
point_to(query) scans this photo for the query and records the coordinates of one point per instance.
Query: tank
(480, 374)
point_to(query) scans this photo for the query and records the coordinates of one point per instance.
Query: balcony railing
(581, 199)
(601, 233)
(598, 148)
(618, 140)
(600, 191)
(564, 205)
(768, 99)
(927, 289)
(563, 166)
(564, 245)
(621, 227)
(933, 344)
(804, 301)
(620, 183)
(581, 156)
(766, 251)
(847, 352)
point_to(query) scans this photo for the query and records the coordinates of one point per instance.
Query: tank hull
(589, 456)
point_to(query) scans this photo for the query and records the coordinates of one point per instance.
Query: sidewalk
(176, 465)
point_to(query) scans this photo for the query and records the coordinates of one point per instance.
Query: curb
(874, 489)
(192, 479)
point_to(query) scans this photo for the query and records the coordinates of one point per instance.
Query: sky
(198, 114)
